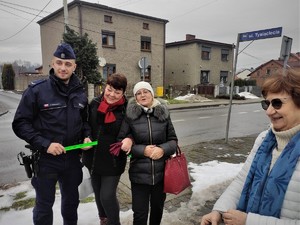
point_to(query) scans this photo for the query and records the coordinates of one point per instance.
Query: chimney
(190, 37)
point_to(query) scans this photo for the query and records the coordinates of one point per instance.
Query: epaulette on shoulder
(36, 82)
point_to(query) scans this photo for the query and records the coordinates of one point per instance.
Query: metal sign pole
(231, 87)
(248, 36)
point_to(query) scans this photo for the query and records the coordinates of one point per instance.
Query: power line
(16, 10)
(254, 57)
(27, 23)
(245, 47)
(128, 2)
(26, 7)
(13, 14)
(195, 9)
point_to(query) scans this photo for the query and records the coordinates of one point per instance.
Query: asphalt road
(196, 125)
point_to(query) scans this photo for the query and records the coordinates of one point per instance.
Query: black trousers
(68, 173)
(105, 189)
(142, 195)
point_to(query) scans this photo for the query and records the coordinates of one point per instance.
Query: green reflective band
(72, 147)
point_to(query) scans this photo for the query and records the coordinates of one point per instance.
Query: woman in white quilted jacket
(267, 189)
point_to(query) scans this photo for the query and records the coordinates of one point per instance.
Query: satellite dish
(143, 63)
(139, 64)
(102, 61)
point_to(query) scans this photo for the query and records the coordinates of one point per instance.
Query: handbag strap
(178, 151)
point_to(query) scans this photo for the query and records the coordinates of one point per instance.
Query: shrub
(8, 77)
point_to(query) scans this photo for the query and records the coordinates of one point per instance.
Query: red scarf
(108, 109)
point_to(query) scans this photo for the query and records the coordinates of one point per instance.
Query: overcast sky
(214, 20)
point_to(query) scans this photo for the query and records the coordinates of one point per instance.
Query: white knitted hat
(141, 85)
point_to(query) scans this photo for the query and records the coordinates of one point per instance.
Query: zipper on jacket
(94, 155)
(151, 142)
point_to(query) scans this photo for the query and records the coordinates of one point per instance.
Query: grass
(20, 195)
(20, 204)
(30, 202)
(87, 200)
(23, 204)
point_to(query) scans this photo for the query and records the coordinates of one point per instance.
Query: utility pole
(66, 16)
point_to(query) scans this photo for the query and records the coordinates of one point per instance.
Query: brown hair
(117, 81)
(289, 83)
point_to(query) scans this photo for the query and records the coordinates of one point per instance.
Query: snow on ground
(193, 98)
(198, 98)
(210, 177)
(248, 95)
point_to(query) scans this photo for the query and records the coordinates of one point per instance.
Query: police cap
(64, 51)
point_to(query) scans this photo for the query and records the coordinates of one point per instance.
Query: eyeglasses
(276, 103)
(144, 92)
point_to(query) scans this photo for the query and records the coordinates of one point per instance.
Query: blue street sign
(261, 34)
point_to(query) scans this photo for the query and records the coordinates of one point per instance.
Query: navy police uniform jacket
(51, 111)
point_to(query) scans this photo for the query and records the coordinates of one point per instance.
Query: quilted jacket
(290, 213)
(148, 128)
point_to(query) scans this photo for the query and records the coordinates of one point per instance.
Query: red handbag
(176, 177)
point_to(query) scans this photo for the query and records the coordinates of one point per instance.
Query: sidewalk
(3, 109)
(211, 103)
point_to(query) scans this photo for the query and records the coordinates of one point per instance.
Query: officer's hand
(87, 140)
(56, 149)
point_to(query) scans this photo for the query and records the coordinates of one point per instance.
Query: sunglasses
(276, 103)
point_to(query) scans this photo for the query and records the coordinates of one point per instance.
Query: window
(268, 71)
(107, 19)
(147, 74)
(108, 70)
(224, 54)
(145, 43)
(108, 39)
(146, 26)
(223, 76)
(204, 77)
(205, 54)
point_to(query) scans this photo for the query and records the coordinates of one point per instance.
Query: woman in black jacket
(105, 118)
(149, 124)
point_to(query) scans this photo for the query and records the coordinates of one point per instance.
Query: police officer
(50, 116)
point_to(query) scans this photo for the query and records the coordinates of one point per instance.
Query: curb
(2, 113)
(211, 104)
